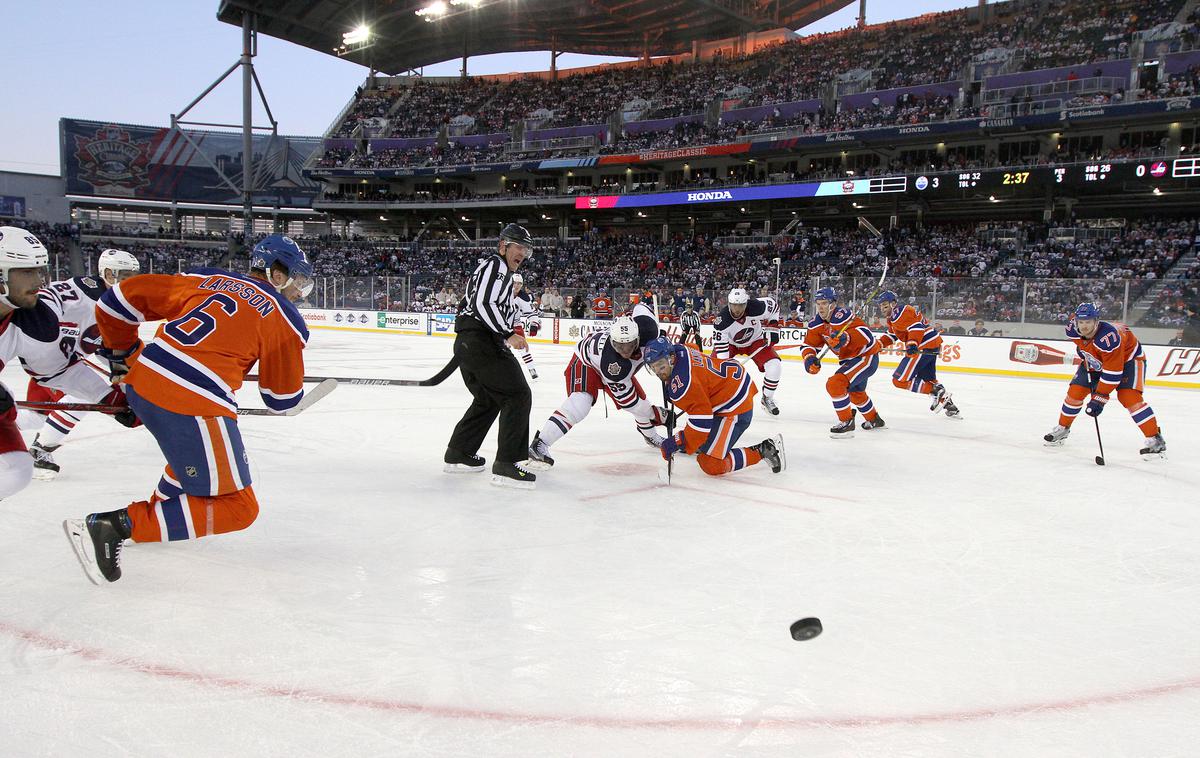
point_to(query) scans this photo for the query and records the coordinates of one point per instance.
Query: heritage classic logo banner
(110, 157)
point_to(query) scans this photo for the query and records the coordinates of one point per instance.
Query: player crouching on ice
(917, 371)
(852, 341)
(604, 361)
(718, 398)
(1112, 359)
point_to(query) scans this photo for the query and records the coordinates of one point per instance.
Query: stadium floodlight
(468, 3)
(436, 9)
(357, 35)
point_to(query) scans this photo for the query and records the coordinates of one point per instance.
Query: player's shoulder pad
(1072, 332)
(647, 327)
(292, 315)
(840, 316)
(91, 286)
(759, 306)
(39, 322)
(1105, 329)
(523, 295)
(681, 375)
(724, 319)
(815, 322)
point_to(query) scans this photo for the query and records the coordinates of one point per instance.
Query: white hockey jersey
(75, 300)
(759, 323)
(35, 337)
(596, 351)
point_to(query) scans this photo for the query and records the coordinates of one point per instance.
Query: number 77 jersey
(218, 325)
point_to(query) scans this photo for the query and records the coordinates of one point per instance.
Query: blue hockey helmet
(887, 296)
(657, 349)
(1088, 312)
(826, 293)
(277, 248)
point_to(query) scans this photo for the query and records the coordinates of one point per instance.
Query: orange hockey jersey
(908, 326)
(603, 307)
(1110, 348)
(218, 325)
(860, 339)
(704, 388)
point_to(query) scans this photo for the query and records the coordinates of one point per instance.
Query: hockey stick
(1099, 441)
(310, 398)
(670, 408)
(432, 381)
(878, 289)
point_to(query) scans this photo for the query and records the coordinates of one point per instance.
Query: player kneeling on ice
(75, 300)
(718, 398)
(1113, 359)
(750, 326)
(528, 321)
(917, 371)
(851, 340)
(182, 386)
(605, 361)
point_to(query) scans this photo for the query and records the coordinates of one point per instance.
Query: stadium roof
(402, 40)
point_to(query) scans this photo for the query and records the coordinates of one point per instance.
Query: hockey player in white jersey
(529, 321)
(29, 330)
(604, 361)
(750, 326)
(75, 301)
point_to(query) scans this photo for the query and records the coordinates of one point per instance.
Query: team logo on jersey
(112, 158)
(614, 369)
(90, 282)
(190, 470)
(743, 335)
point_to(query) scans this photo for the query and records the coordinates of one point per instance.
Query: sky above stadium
(138, 61)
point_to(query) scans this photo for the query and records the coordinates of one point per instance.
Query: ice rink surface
(981, 595)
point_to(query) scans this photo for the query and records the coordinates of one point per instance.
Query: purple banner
(401, 143)
(479, 140)
(661, 124)
(11, 205)
(1107, 68)
(589, 130)
(763, 112)
(890, 96)
(337, 144)
(1182, 61)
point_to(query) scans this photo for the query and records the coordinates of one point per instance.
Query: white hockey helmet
(624, 329)
(738, 296)
(518, 279)
(117, 261)
(19, 248)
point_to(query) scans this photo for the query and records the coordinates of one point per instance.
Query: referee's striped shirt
(489, 296)
(690, 320)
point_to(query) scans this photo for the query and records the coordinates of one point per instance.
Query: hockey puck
(806, 629)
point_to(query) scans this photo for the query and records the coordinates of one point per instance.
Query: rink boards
(992, 356)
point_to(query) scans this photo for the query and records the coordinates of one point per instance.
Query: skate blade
(504, 481)
(778, 440)
(44, 474)
(1154, 456)
(77, 531)
(842, 436)
(535, 465)
(1058, 443)
(461, 468)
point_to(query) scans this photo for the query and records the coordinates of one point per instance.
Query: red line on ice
(713, 723)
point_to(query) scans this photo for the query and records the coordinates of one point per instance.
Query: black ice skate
(97, 542)
(456, 462)
(772, 452)
(844, 430)
(649, 436)
(44, 466)
(1155, 447)
(513, 475)
(533, 373)
(1056, 436)
(952, 410)
(769, 404)
(938, 398)
(878, 423)
(539, 454)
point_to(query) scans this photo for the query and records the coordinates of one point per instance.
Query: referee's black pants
(497, 382)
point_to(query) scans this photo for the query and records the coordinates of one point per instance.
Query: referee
(689, 322)
(485, 322)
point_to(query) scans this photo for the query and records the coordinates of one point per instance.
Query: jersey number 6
(193, 326)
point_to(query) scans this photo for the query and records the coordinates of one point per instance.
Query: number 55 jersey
(218, 324)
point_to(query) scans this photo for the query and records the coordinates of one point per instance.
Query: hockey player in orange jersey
(181, 385)
(1113, 359)
(917, 372)
(858, 359)
(718, 398)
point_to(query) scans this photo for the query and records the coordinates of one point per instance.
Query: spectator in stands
(1177, 340)
(979, 330)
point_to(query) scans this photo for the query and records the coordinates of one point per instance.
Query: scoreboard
(1101, 176)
